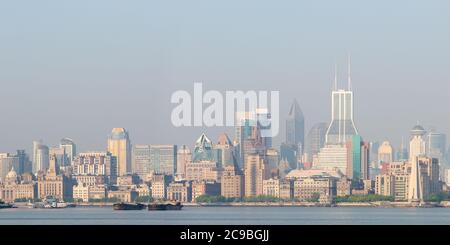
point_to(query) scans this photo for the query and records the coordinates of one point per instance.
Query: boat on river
(165, 206)
(128, 206)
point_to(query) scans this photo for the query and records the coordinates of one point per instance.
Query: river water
(227, 216)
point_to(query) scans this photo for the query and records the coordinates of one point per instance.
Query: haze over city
(79, 69)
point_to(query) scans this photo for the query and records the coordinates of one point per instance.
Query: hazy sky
(79, 68)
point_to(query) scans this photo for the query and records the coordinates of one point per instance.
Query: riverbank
(445, 204)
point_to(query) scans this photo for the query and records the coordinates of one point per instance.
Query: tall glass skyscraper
(295, 126)
(315, 140)
(203, 150)
(70, 149)
(161, 159)
(342, 126)
(437, 145)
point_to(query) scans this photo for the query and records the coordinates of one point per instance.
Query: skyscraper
(417, 144)
(255, 172)
(342, 127)
(203, 150)
(417, 148)
(141, 163)
(357, 159)
(184, 156)
(70, 149)
(385, 152)
(225, 153)
(437, 146)
(315, 140)
(295, 126)
(119, 145)
(41, 158)
(163, 159)
(248, 136)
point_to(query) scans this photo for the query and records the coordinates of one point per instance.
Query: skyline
(102, 67)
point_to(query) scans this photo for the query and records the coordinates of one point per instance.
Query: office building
(70, 149)
(315, 140)
(184, 156)
(295, 126)
(232, 182)
(255, 172)
(385, 153)
(120, 147)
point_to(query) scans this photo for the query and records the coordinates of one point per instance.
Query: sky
(79, 68)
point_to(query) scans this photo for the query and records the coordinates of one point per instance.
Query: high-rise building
(295, 126)
(437, 146)
(36, 145)
(119, 145)
(417, 143)
(141, 160)
(342, 126)
(95, 164)
(225, 154)
(70, 149)
(25, 165)
(184, 156)
(332, 157)
(60, 154)
(41, 158)
(203, 150)
(357, 159)
(273, 159)
(255, 172)
(248, 133)
(402, 153)
(232, 182)
(163, 159)
(315, 140)
(289, 153)
(385, 152)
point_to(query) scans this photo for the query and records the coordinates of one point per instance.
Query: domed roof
(11, 174)
(418, 130)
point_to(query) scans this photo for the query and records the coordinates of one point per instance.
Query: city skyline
(55, 81)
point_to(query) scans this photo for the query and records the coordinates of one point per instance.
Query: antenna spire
(349, 74)
(335, 77)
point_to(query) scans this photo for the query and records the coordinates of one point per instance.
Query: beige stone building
(52, 184)
(385, 185)
(232, 183)
(210, 188)
(87, 192)
(180, 191)
(343, 187)
(255, 172)
(202, 171)
(271, 187)
(123, 195)
(15, 187)
(306, 188)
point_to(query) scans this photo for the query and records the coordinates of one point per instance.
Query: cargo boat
(164, 206)
(6, 205)
(128, 206)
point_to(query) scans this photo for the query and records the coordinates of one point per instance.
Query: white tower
(342, 126)
(416, 149)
